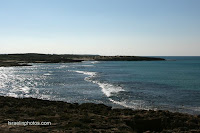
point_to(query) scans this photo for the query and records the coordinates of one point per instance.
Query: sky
(105, 27)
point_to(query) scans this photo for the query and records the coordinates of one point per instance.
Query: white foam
(134, 104)
(12, 94)
(109, 89)
(196, 108)
(191, 108)
(48, 97)
(95, 62)
(62, 66)
(121, 103)
(87, 73)
(47, 74)
(24, 89)
(87, 65)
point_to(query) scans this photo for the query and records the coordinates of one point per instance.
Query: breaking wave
(107, 88)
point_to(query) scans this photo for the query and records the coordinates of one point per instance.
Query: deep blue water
(170, 85)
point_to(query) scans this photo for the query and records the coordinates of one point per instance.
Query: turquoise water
(171, 85)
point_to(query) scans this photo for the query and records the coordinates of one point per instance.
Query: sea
(172, 85)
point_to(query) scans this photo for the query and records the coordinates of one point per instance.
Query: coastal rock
(90, 117)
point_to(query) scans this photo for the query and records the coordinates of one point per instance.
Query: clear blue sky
(106, 27)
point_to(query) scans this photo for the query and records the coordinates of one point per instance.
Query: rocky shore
(89, 117)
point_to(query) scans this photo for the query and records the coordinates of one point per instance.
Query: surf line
(106, 88)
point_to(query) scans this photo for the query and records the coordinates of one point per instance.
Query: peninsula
(23, 59)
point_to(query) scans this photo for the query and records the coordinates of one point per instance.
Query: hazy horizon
(112, 27)
(107, 55)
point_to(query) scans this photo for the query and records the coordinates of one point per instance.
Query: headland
(23, 59)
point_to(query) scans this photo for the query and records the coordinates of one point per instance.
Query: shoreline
(12, 64)
(90, 117)
(7, 60)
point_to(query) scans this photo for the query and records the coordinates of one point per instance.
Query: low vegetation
(23, 59)
(90, 117)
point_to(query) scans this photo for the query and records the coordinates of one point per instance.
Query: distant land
(23, 59)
